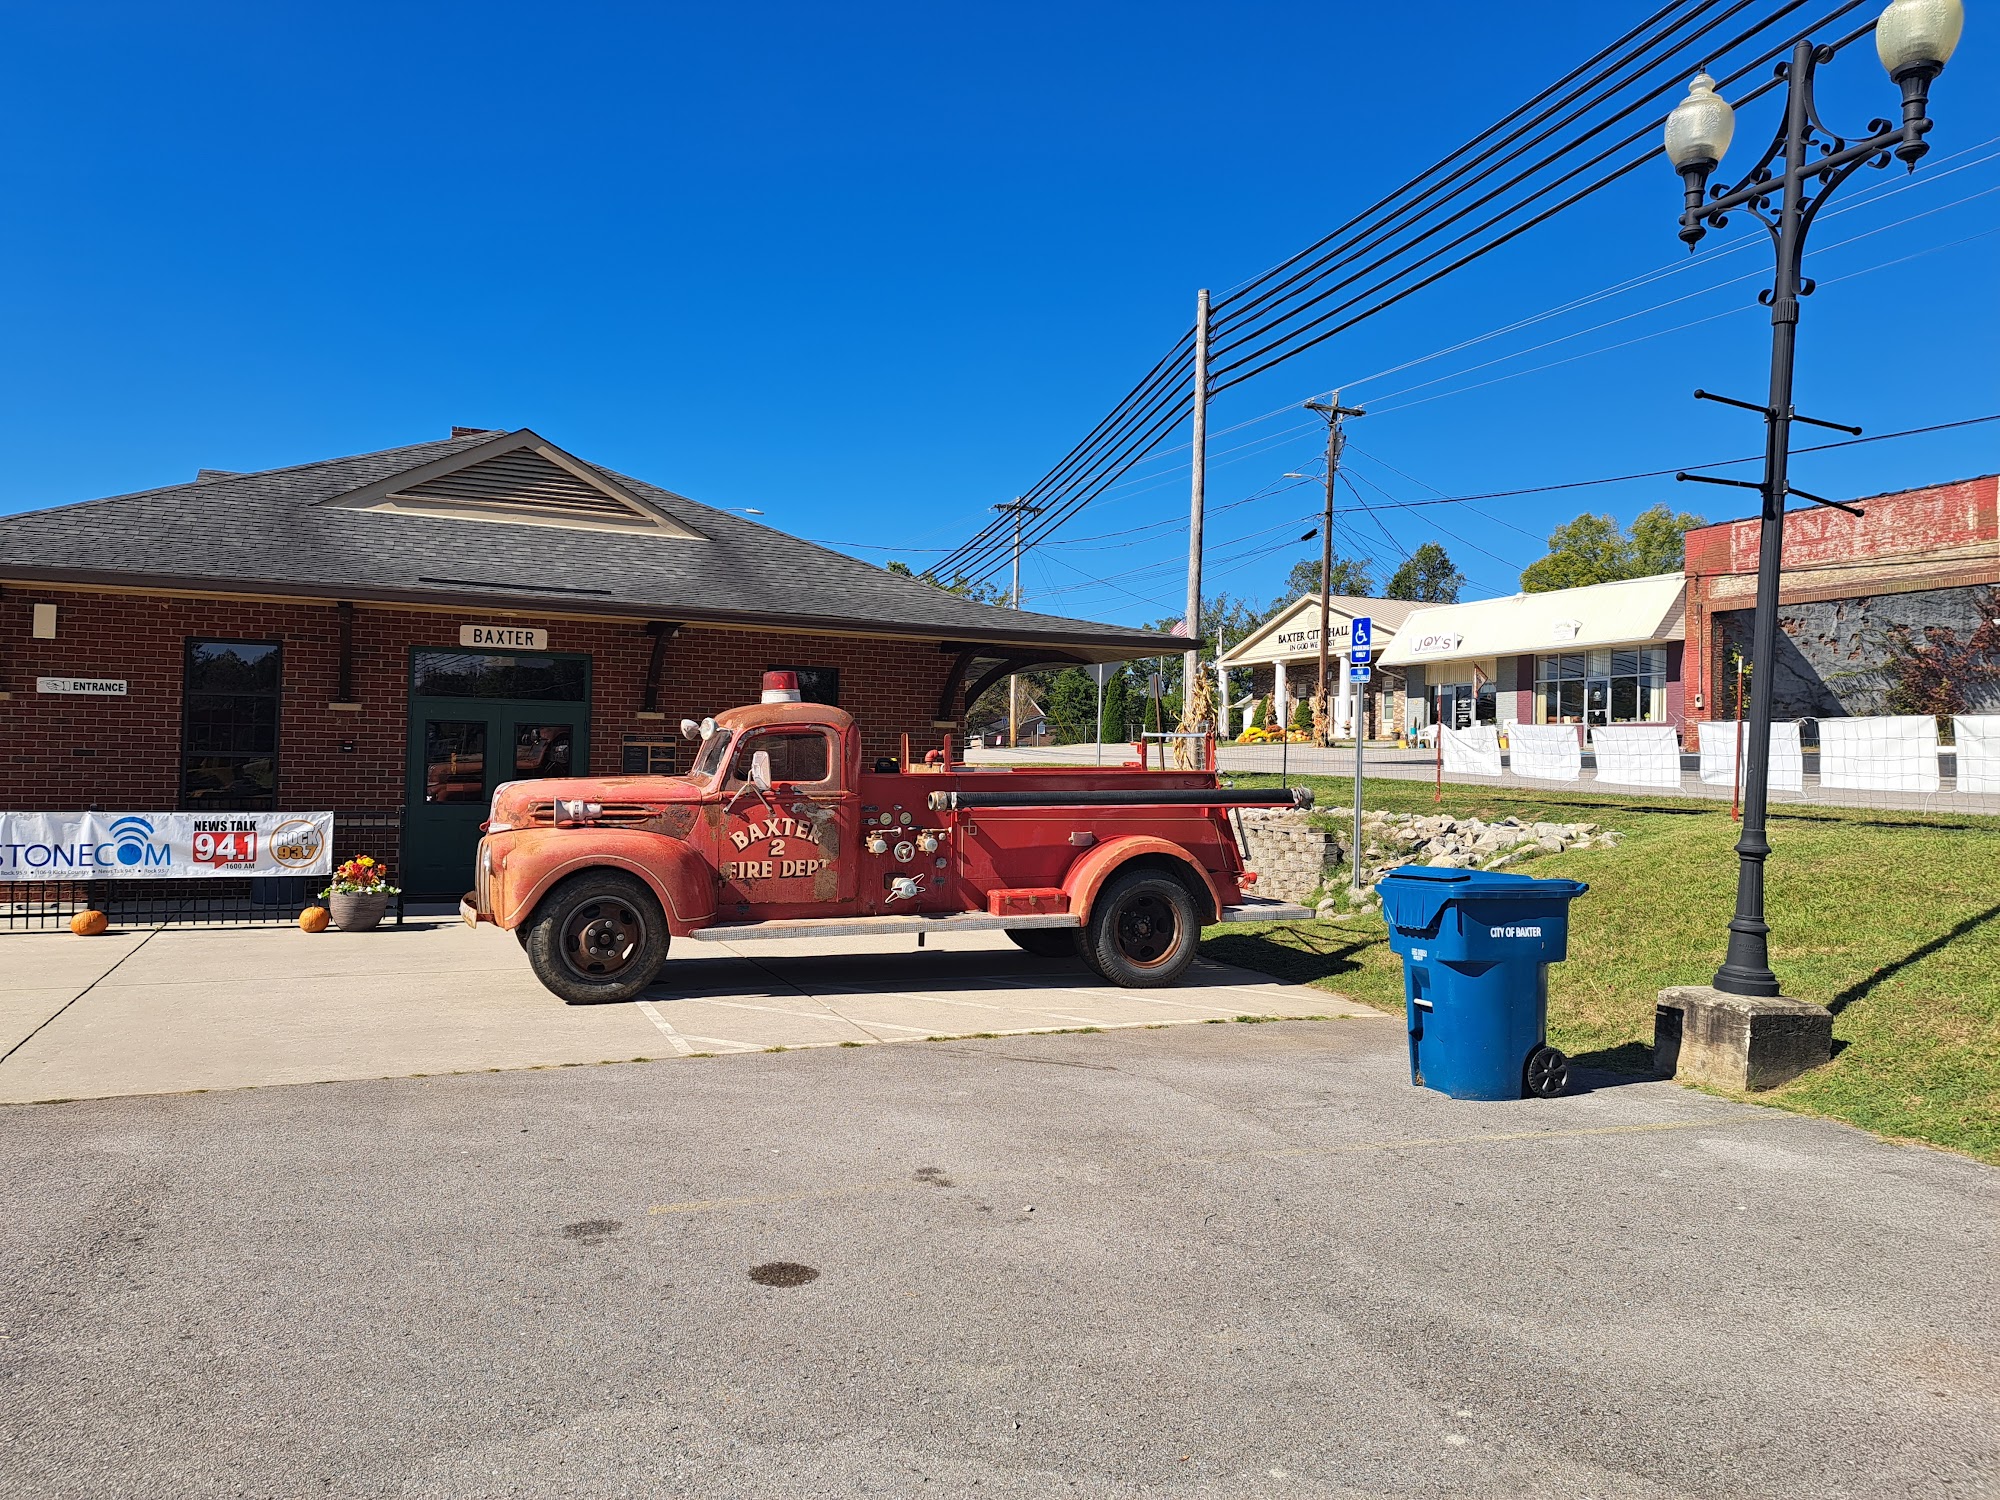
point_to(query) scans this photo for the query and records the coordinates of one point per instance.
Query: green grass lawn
(1890, 919)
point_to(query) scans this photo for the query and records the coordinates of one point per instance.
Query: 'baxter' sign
(503, 637)
(94, 687)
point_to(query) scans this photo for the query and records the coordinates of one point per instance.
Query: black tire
(1547, 1073)
(1046, 942)
(598, 937)
(1143, 930)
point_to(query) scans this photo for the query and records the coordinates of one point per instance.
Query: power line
(1121, 439)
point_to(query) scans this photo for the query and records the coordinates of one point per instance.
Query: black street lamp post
(1805, 163)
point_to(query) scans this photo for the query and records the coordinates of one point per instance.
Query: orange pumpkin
(313, 919)
(88, 923)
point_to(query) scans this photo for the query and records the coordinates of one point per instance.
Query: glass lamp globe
(1699, 129)
(1918, 34)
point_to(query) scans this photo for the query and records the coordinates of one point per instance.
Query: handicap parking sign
(1363, 633)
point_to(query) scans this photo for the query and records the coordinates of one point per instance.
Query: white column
(1278, 696)
(1343, 712)
(1221, 699)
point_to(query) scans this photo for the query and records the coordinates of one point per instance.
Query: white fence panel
(1894, 754)
(1545, 752)
(1718, 755)
(1638, 755)
(1978, 737)
(1470, 752)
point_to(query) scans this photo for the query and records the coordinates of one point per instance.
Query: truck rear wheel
(1047, 942)
(1143, 930)
(599, 936)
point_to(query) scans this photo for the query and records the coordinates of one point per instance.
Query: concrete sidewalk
(180, 1009)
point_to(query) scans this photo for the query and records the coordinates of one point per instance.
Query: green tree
(1350, 577)
(1428, 576)
(1072, 705)
(1117, 709)
(1659, 540)
(1594, 549)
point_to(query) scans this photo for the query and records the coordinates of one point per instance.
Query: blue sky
(874, 272)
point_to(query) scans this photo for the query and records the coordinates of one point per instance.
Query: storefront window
(1602, 687)
(229, 725)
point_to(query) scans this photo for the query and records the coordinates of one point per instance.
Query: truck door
(791, 847)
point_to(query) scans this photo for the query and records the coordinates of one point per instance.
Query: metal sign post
(1360, 647)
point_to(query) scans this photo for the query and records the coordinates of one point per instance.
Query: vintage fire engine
(778, 830)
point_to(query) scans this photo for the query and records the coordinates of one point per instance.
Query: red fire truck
(779, 830)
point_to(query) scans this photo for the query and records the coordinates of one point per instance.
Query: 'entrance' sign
(94, 687)
(503, 637)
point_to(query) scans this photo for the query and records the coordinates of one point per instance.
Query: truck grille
(615, 814)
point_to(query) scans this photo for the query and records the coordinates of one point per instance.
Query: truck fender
(533, 860)
(1101, 861)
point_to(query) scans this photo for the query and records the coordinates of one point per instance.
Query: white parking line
(679, 1040)
(1019, 1010)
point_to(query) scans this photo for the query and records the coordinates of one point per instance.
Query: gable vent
(525, 481)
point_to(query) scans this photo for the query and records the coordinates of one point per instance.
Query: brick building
(391, 635)
(1919, 570)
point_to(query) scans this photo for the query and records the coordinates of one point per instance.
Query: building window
(1459, 704)
(485, 674)
(1602, 687)
(816, 684)
(645, 756)
(229, 725)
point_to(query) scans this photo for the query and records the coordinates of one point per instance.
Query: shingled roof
(504, 520)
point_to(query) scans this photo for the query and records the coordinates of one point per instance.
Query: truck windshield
(714, 751)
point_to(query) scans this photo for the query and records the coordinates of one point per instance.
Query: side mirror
(760, 771)
(690, 730)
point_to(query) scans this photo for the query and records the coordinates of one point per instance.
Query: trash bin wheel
(1548, 1072)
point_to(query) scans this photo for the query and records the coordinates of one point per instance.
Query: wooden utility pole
(1191, 662)
(1019, 509)
(1336, 439)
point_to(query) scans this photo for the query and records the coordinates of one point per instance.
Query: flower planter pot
(356, 913)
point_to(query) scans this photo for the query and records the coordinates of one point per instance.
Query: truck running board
(945, 921)
(1253, 909)
(1297, 796)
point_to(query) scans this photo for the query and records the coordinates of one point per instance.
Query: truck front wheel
(599, 936)
(1143, 930)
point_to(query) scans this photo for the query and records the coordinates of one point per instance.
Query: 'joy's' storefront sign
(138, 846)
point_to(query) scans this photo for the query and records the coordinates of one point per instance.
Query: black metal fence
(200, 901)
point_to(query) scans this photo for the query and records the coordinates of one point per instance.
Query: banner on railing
(1977, 740)
(155, 845)
(1719, 766)
(1637, 755)
(1898, 753)
(1545, 752)
(1469, 752)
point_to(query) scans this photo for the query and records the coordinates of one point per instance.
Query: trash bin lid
(1414, 896)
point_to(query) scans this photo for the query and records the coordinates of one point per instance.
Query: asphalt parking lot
(1193, 1261)
(177, 1009)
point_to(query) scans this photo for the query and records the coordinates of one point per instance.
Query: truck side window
(797, 756)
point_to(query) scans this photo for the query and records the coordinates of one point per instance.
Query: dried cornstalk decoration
(1197, 717)
(1322, 721)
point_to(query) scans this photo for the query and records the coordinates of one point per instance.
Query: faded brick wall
(1831, 653)
(67, 752)
(1944, 537)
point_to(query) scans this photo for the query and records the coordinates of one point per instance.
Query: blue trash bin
(1476, 949)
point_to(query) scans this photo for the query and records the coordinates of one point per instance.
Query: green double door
(469, 732)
